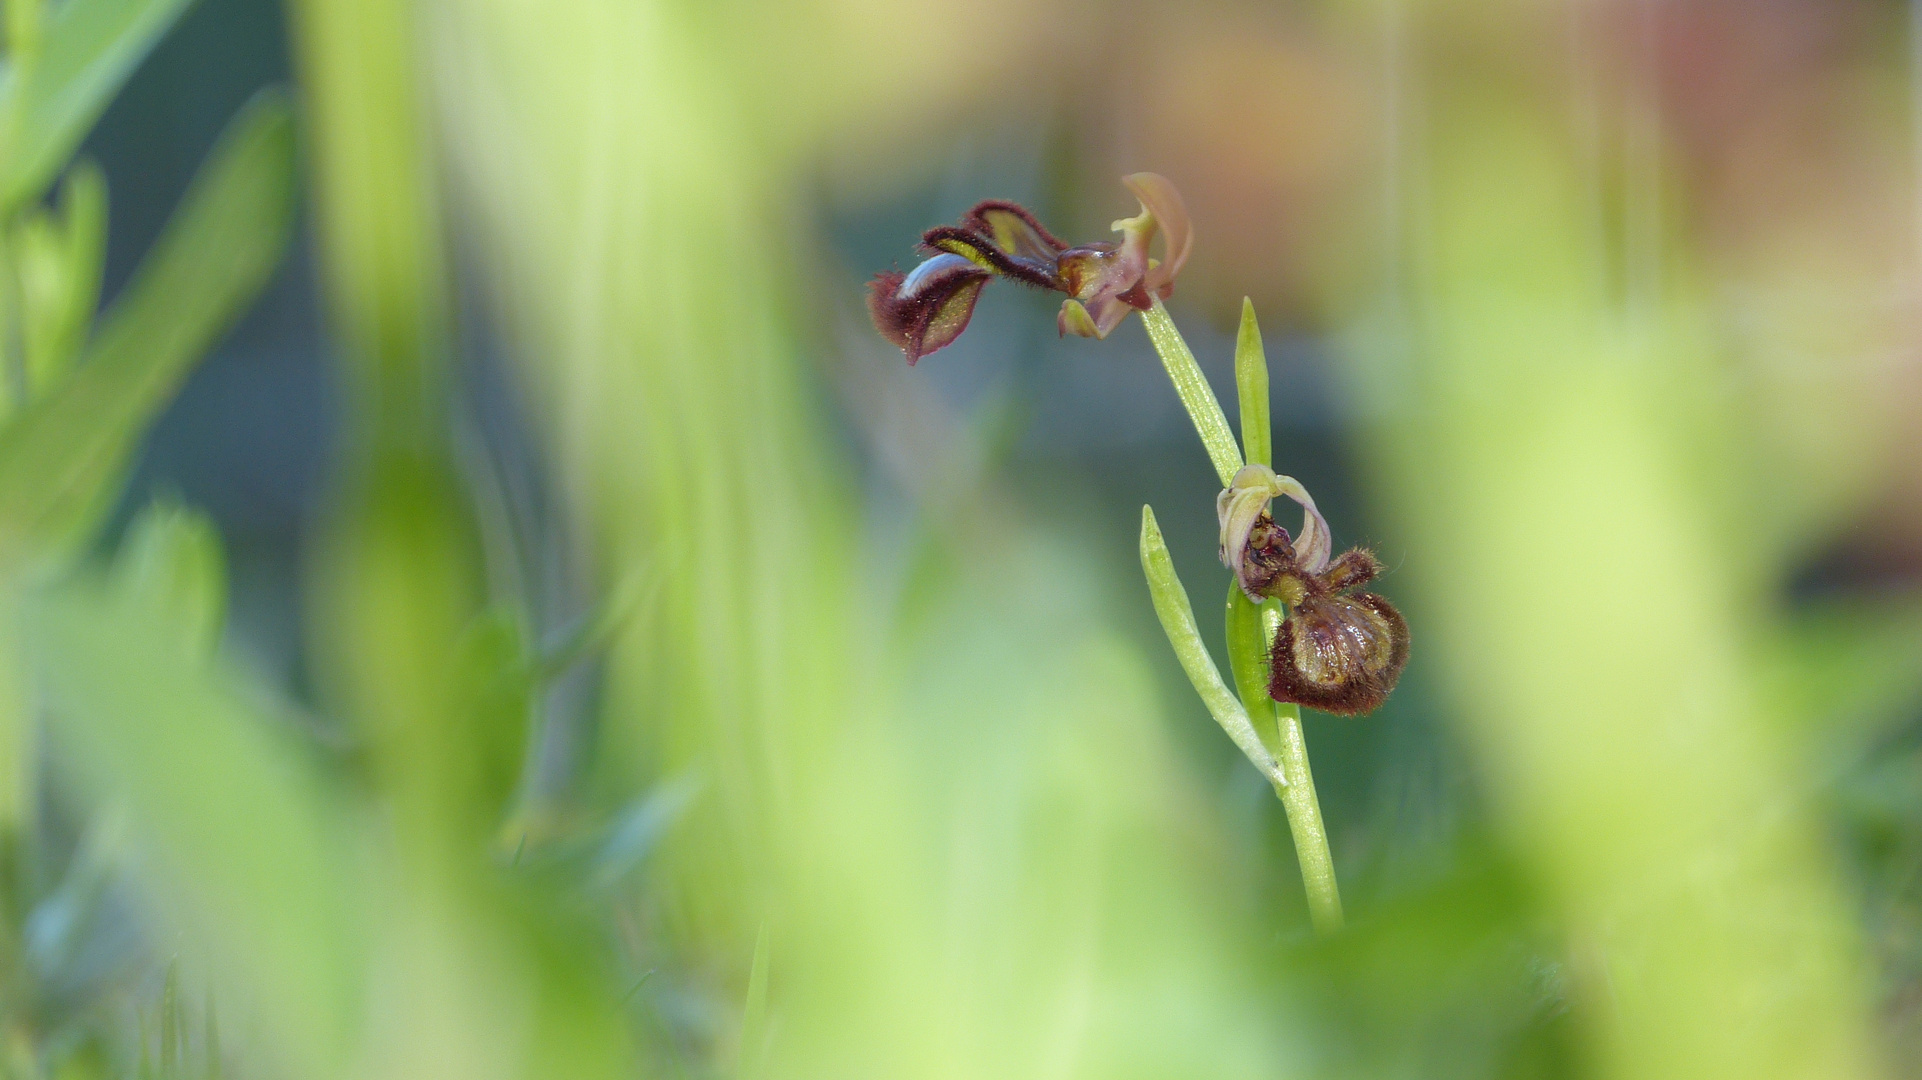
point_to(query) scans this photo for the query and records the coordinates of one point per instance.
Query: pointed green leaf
(1178, 622)
(1249, 633)
(59, 257)
(87, 51)
(1251, 386)
(61, 462)
(172, 569)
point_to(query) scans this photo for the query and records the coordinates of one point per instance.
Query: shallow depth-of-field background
(478, 600)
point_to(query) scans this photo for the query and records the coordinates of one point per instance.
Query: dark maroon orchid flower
(927, 308)
(1335, 652)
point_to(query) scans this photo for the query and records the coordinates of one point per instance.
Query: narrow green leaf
(172, 569)
(61, 462)
(1248, 637)
(1251, 386)
(56, 323)
(88, 50)
(754, 1016)
(1178, 622)
(57, 258)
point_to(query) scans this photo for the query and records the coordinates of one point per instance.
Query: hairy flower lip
(1341, 655)
(1337, 653)
(927, 308)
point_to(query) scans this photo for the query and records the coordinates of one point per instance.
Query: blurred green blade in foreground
(53, 98)
(172, 570)
(60, 462)
(246, 850)
(1582, 596)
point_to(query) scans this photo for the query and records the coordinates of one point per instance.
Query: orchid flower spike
(1338, 653)
(926, 309)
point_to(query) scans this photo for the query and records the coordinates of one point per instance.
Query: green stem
(1196, 395)
(1250, 629)
(1304, 822)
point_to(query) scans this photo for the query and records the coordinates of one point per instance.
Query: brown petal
(1356, 566)
(1157, 193)
(928, 308)
(1011, 228)
(1339, 654)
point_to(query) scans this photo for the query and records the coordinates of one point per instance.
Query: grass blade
(61, 461)
(89, 50)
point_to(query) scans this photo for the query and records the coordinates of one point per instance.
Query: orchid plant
(1298, 633)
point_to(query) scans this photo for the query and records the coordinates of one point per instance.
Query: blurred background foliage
(477, 599)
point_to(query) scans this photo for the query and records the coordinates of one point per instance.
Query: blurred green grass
(813, 722)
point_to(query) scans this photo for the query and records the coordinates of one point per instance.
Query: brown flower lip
(1340, 654)
(926, 309)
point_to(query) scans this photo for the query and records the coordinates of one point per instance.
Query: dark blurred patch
(1870, 563)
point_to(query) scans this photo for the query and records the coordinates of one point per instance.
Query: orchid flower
(1334, 652)
(926, 309)
(1246, 544)
(1297, 633)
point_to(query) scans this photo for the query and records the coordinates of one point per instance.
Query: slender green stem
(1195, 393)
(1304, 822)
(1250, 629)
